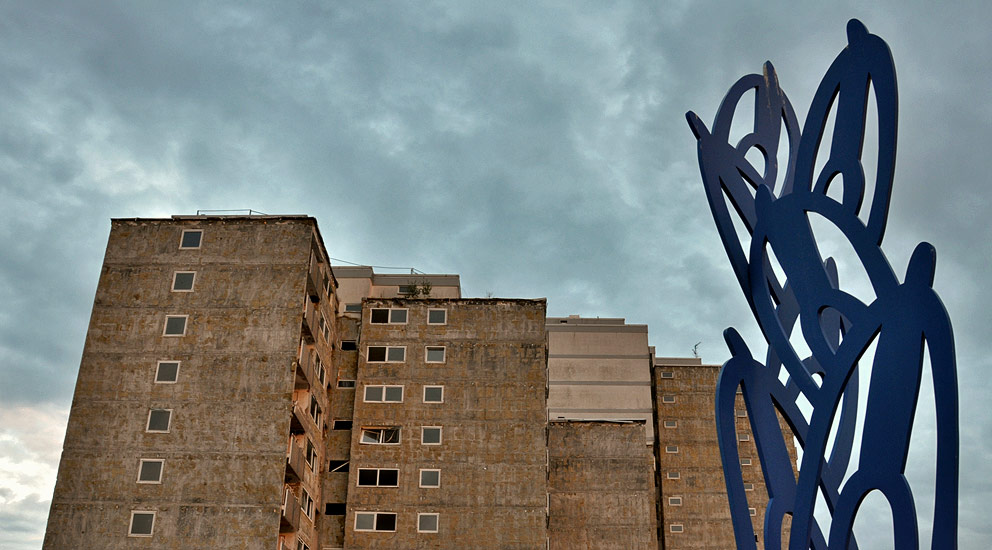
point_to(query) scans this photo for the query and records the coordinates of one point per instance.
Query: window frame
(344, 466)
(182, 239)
(667, 375)
(352, 308)
(420, 478)
(745, 462)
(151, 531)
(375, 521)
(437, 521)
(429, 349)
(389, 315)
(436, 309)
(671, 424)
(158, 370)
(743, 437)
(161, 470)
(343, 422)
(675, 500)
(381, 438)
(749, 486)
(440, 438)
(306, 501)
(319, 370)
(342, 384)
(668, 399)
(148, 422)
(365, 393)
(673, 475)
(175, 277)
(752, 512)
(352, 345)
(165, 326)
(676, 528)
(378, 476)
(313, 406)
(672, 449)
(386, 358)
(437, 387)
(310, 454)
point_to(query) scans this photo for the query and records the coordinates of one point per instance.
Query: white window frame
(745, 462)
(353, 308)
(749, 486)
(420, 478)
(306, 503)
(319, 370)
(671, 424)
(399, 435)
(667, 399)
(158, 368)
(165, 326)
(161, 471)
(175, 276)
(377, 475)
(148, 422)
(430, 310)
(300, 545)
(672, 449)
(439, 435)
(130, 527)
(346, 387)
(428, 349)
(673, 475)
(310, 454)
(676, 528)
(387, 359)
(389, 316)
(182, 238)
(314, 404)
(667, 374)
(375, 520)
(437, 521)
(741, 413)
(752, 512)
(365, 394)
(675, 501)
(433, 387)
(743, 437)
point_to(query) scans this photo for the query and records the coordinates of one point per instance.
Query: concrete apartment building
(237, 391)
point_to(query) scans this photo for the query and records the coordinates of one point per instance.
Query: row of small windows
(394, 394)
(399, 316)
(390, 435)
(386, 521)
(397, 354)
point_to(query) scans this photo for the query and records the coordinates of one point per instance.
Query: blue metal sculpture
(904, 321)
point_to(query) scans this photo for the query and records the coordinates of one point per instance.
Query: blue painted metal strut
(904, 322)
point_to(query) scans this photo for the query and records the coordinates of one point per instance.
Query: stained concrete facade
(601, 487)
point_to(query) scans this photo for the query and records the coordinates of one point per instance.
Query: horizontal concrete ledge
(628, 411)
(591, 356)
(597, 383)
(563, 327)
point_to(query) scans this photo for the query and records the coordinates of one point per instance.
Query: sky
(538, 149)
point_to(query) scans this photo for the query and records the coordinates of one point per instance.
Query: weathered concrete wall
(492, 456)
(225, 452)
(601, 487)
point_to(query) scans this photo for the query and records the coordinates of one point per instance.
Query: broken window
(381, 436)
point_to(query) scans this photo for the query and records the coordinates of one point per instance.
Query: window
(349, 345)
(378, 477)
(430, 435)
(671, 423)
(318, 368)
(182, 281)
(675, 501)
(150, 470)
(386, 354)
(435, 354)
(341, 425)
(353, 308)
(337, 466)
(142, 523)
(433, 394)
(749, 486)
(311, 456)
(383, 394)
(346, 384)
(427, 523)
(752, 511)
(675, 528)
(741, 413)
(745, 462)
(430, 479)
(408, 289)
(437, 316)
(667, 374)
(672, 449)
(306, 504)
(175, 325)
(191, 238)
(335, 509)
(300, 545)
(315, 411)
(167, 372)
(380, 436)
(392, 316)
(159, 420)
(375, 521)
(743, 437)
(674, 475)
(668, 399)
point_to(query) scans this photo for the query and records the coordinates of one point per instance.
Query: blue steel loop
(906, 321)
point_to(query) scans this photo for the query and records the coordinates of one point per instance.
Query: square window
(433, 394)
(749, 486)
(430, 479)
(142, 523)
(675, 528)
(437, 316)
(375, 521)
(427, 523)
(150, 470)
(182, 281)
(373, 394)
(394, 394)
(395, 354)
(435, 354)
(349, 345)
(671, 423)
(364, 521)
(346, 384)
(430, 435)
(675, 501)
(353, 308)
(167, 372)
(380, 436)
(175, 325)
(668, 399)
(672, 449)
(397, 316)
(191, 238)
(752, 511)
(667, 374)
(674, 475)
(341, 425)
(159, 420)
(337, 466)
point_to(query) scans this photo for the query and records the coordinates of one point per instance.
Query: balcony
(294, 464)
(296, 423)
(290, 518)
(314, 282)
(304, 369)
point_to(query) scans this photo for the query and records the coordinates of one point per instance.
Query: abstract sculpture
(904, 322)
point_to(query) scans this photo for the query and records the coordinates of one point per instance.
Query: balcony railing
(290, 519)
(294, 464)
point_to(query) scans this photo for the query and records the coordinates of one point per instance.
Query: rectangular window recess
(150, 470)
(433, 394)
(391, 316)
(335, 509)
(668, 399)
(142, 523)
(741, 413)
(380, 436)
(672, 449)
(674, 475)
(167, 372)
(375, 521)
(341, 425)
(430, 435)
(430, 479)
(675, 501)
(383, 394)
(752, 511)
(676, 528)
(306, 503)
(427, 523)
(159, 421)
(182, 281)
(191, 238)
(337, 466)
(743, 437)
(434, 354)
(745, 462)
(349, 345)
(378, 477)
(175, 325)
(749, 486)
(671, 423)
(353, 308)
(385, 354)
(667, 374)
(346, 384)
(437, 316)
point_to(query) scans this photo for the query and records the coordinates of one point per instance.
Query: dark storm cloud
(536, 150)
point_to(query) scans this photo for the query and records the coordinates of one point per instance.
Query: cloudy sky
(538, 149)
